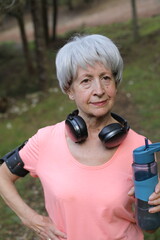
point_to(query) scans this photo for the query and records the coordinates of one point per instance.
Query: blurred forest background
(31, 32)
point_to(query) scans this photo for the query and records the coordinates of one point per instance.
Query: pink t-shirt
(85, 202)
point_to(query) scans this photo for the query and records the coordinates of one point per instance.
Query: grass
(141, 84)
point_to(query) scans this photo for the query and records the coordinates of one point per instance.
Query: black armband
(14, 162)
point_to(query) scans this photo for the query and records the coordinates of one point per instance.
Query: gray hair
(81, 51)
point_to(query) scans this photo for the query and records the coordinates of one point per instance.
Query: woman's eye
(106, 78)
(86, 83)
(85, 80)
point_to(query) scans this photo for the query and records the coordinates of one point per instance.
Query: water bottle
(145, 180)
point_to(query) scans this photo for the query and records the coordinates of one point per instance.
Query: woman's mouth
(99, 103)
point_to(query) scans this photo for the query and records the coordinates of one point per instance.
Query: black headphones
(111, 135)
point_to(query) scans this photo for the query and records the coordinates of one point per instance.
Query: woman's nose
(98, 88)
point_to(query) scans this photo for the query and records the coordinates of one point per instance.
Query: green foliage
(15, 80)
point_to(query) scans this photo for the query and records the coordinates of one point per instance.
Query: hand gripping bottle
(145, 180)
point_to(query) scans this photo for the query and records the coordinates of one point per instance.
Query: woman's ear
(70, 94)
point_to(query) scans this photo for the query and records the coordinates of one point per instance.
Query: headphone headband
(120, 120)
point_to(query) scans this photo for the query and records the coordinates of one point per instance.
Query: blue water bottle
(145, 180)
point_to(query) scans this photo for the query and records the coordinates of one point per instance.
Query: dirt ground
(101, 12)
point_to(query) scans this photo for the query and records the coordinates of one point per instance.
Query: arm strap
(14, 162)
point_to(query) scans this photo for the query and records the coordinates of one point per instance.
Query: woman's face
(93, 90)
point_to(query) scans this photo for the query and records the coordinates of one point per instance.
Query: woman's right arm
(42, 225)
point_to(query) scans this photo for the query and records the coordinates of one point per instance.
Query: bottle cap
(145, 154)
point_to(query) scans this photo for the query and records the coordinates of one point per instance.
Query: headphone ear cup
(76, 128)
(110, 133)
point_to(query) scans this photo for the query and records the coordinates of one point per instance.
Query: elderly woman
(83, 163)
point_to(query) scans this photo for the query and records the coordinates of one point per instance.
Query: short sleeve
(30, 155)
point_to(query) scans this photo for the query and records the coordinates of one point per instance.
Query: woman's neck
(96, 124)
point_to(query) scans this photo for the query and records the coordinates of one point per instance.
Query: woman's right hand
(44, 227)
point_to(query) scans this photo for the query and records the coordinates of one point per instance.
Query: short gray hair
(85, 50)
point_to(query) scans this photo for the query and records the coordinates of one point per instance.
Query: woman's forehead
(92, 67)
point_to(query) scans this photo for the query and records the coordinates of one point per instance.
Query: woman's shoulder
(50, 129)
(46, 134)
(135, 137)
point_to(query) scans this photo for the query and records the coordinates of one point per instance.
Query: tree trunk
(70, 5)
(42, 66)
(20, 20)
(45, 21)
(135, 21)
(55, 14)
(87, 1)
